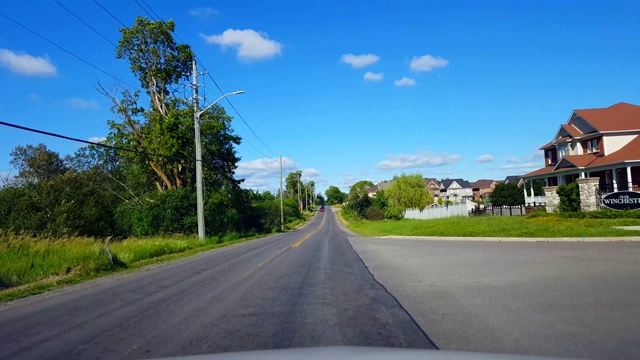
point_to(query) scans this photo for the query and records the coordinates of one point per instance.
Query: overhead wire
(84, 22)
(108, 12)
(42, 132)
(219, 88)
(65, 50)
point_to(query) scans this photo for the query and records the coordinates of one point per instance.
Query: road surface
(568, 299)
(303, 288)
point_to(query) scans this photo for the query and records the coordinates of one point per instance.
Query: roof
(463, 183)
(619, 117)
(513, 179)
(482, 184)
(629, 152)
(543, 171)
(572, 130)
(371, 189)
(429, 180)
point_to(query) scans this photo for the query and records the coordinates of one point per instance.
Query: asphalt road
(299, 289)
(568, 299)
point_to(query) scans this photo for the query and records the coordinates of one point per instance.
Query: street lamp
(199, 190)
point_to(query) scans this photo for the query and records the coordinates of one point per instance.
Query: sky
(342, 90)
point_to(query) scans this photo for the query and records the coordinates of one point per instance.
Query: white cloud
(423, 159)
(427, 63)
(484, 159)
(359, 61)
(264, 168)
(443, 172)
(97, 139)
(536, 155)
(405, 81)
(249, 44)
(25, 64)
(203, 13)
(373, 76)
(531, 166)
(310, 174)
(78, 103)
(512, 160)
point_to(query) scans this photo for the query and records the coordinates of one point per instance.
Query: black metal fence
(498, 211)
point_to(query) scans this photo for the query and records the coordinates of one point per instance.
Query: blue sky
(344, 90)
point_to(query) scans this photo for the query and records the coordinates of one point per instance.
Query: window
(562, 150)
(592, 145)
(589, 148)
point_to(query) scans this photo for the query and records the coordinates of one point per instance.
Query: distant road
(569, 299)
(303, 288)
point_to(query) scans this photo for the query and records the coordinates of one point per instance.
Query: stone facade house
(483, 188)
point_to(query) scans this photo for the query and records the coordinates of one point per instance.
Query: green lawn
(496, 226)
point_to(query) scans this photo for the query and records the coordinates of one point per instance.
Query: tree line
(143, 184)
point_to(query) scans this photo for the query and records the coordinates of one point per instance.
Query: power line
(84, 22)
(108, 12)
(92, 143)
(66, 51)
(215, 83)
(145, 10)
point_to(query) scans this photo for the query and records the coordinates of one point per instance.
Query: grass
(495, 226)
(31, 266)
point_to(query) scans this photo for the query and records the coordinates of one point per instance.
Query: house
(456, 189)
(433, 185)
(514, 180)
(594, 143)
(372, 190)
(483, 188)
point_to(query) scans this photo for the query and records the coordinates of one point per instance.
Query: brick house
(483, 188)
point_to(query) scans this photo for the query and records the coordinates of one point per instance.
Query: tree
(291, 184)
(37, 163)
(507, 195)
(359, 200)
(335, 195)
(407, 192)
(165, 128)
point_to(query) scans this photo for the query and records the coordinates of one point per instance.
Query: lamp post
(199, 190)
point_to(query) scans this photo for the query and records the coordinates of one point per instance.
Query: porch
(612, 179)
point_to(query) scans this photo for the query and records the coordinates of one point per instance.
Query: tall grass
(25, 260)
(496, 226)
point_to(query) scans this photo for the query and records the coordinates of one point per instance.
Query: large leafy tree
(359, 200)
(507, 195)
(37, 163)
(407, 192)
(165, 126)
(335, 195)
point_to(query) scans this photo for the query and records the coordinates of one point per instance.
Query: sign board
(622, 200)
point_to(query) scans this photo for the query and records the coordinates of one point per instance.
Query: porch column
(614, 179)
(630, 188)
(559, 178)
(582, 175)
(531, 185)
(524, 187)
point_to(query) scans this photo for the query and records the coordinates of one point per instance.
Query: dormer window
(562, 150)
(592, 145)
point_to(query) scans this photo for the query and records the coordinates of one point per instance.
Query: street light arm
(220, 98)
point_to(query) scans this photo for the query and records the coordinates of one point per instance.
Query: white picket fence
(440, 211)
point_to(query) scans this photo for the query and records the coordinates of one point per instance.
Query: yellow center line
(296, 244)
(299, 242)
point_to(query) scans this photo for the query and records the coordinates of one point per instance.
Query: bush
(569, 197)
(374, 213)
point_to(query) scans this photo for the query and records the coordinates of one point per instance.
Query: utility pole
(281, 205)
(196, 124)
(299, 203)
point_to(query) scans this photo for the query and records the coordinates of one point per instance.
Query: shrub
(374, 213)
(569, 197)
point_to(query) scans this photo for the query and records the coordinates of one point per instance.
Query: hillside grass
(31, 266)
(495, 226)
